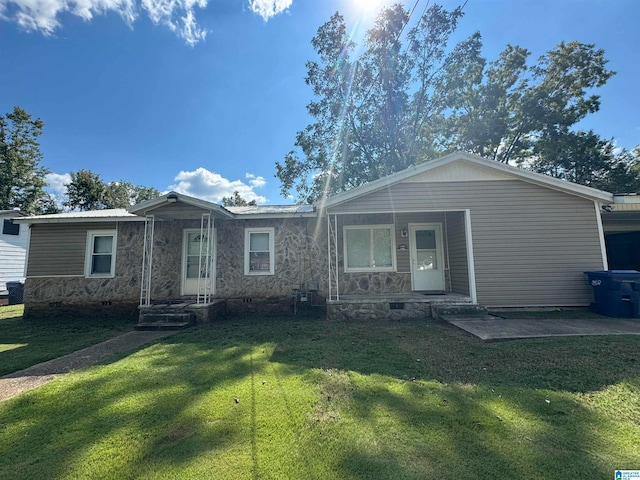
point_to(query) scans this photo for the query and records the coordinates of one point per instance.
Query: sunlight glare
(368, 6)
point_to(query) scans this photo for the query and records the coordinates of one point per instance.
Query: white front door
(194, 262)
(427, 257)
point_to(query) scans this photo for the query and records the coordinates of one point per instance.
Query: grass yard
(301, 398)
(26, 342)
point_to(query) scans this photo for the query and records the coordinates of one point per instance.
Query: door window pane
(427, 260)
(195, 242)
(425, 239)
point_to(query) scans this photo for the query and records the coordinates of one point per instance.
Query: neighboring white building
(13, 248)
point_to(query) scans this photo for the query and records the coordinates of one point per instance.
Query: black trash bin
(16, 292)
(617, 292)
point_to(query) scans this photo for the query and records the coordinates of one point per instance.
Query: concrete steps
(165, 321)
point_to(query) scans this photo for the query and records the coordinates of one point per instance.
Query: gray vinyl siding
(457, 247)
(59, 249)
(531, 244)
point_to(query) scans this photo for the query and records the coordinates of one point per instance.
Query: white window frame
(272, 252)
(391, 229)
(91, 235)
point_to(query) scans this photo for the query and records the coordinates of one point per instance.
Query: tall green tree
(409, 96)
(237, 200)
(372, 110)
(87, 191)
(585, 158)
(21, 175)
(517, 109)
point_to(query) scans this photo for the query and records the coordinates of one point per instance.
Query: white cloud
(164, 12)
(55, 186)
(177, 15)
(269, 8)
(202, 183)
(254, 181)
(43, 15)
(56, 182)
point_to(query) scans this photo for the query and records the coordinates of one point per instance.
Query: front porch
(402, 260)
(397, 306)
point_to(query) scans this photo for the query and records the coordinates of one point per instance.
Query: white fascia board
(150, 205)
(267, 216)
(536, 178)
(79, 220)
(628, 200)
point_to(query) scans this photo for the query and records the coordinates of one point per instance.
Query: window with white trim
(259, 258)
(100, 260)
(369, 248)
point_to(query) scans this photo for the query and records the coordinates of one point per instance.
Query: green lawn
(303, 398)
(26, 342)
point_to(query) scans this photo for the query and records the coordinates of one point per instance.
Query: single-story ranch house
(459, 229)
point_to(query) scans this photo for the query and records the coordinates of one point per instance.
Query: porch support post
(470, 261)
(147, 260)
(204, 291)
(329, 254)
(335, 234)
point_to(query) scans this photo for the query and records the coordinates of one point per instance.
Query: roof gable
(460, 167)
(459, 171)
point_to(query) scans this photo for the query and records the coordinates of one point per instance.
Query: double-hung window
(259, 251)
(100, 260)
(369, 248)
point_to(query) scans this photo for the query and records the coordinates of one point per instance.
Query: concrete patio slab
(490, 328)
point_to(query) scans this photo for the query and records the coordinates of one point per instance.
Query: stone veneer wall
(300, 258)
(120, 295)
(372, 283)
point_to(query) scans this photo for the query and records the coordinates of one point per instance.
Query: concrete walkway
(496, 328)
(16, 383)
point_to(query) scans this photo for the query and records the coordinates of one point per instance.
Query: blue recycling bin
(617, 292)
(16, 292)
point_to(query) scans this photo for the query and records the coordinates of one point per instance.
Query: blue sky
(204, 96)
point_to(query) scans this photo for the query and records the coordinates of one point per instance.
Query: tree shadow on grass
(307, 398)
(43, 339)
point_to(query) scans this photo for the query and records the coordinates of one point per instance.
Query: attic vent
(246, 300)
